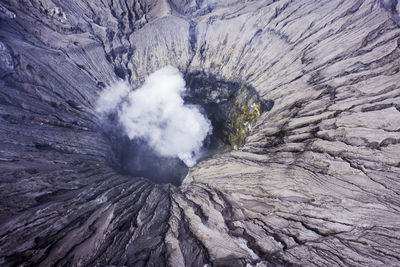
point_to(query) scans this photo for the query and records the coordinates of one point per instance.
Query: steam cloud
(156, 114)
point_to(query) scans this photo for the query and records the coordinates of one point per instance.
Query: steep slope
(316, 182)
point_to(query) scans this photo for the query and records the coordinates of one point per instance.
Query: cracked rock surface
(316, 183)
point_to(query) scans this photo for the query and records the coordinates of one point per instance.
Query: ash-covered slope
(316, 182)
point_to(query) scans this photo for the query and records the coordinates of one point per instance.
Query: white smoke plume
(156, 113)
(111, 97)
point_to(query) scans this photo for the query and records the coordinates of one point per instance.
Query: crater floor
(315, 184)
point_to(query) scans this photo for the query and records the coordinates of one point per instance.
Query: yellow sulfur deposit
(246, 111)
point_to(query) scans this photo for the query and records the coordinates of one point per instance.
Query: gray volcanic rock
(315, 184)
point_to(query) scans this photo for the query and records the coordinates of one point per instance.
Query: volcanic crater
(302, 167)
